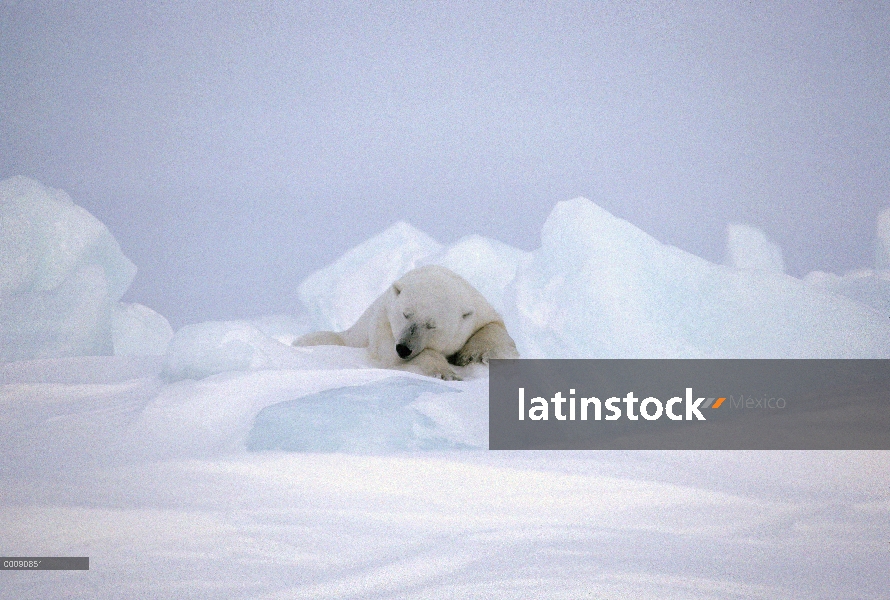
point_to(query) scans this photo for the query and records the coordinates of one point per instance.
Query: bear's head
(427, 311)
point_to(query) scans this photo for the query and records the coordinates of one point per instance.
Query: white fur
(432, 315)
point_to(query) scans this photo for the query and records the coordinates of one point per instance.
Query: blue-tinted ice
(373, 417)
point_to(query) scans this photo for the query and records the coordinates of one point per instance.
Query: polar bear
(428, 320)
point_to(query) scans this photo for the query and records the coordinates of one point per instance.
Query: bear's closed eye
(398, 328)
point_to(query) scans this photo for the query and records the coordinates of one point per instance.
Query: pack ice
(238, 466)
(598, 287)
(868, 286)
(61, 277)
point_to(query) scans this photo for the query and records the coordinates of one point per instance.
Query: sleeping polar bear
(427, 319)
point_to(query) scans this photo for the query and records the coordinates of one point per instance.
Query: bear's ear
(396, 289)
(468, 314)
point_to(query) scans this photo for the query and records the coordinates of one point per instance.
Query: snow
(487, 264)
(396, 413)
(284, 328)
(62, 274)
(337, 295)
(600, 288)
(157, 484)
(223, 462)
(138, 330)
(867, 286)
(748, 247)
(203, 349)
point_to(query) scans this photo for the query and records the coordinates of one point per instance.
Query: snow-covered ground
(152, 480)
(226, 464)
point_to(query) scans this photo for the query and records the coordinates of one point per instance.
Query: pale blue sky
(233, 148)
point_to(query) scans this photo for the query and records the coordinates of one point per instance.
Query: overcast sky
(233, 148)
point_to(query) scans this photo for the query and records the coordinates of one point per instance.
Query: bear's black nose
(403, 351)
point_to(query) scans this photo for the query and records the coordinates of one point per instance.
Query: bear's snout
(409, 342)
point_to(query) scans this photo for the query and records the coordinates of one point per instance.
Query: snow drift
(238, 466)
